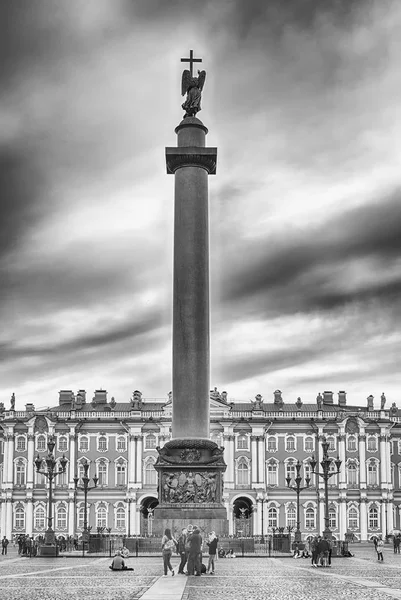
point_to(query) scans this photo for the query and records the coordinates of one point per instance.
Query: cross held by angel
(192, 86)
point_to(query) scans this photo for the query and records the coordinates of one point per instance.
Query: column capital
(362, 437)
(205, 158)
(31, 437)
(341, 437)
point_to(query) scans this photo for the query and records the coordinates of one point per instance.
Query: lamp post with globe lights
(85, 488)
(325, 463)
(49, 548)
(298, 489)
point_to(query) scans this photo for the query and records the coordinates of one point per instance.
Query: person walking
(168, 543)
(212, 545)
(4, 544)
(181, 550)
(379, 550)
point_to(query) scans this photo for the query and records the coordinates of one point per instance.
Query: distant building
(262, 441)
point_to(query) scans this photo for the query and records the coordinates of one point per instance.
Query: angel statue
(192, 86)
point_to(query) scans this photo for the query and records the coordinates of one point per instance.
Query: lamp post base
(327, 534)
(298, 536)
(51, 550)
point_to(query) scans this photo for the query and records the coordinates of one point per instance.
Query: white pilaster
(29, 517)
(31, 456)
(73, 458)
(321, 515)
(10, 458)
(383, 519)
(343, 518)
(261, 462)
(341, 453)
(131, 460)
(254, 463)
(388, 463)
(383, 458)
(9, 518)
(362, 461)
(363, 520)
(71, 517)
(390, 516)
(139, 453)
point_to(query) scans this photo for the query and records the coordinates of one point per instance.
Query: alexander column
(190, 466)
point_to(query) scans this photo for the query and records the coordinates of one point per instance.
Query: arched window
(102, 472)
(40, 517)
(121, 444)
(242, 442)
(120, 517)
(150, 442)
(308, 444)
(62, 478)
(310, 518)
(353, 518)
(332, 517)
(290, 444)
(62, 443)
(372, 443)
(19, 517)
(373, 517)
(20, 472)
(372, 473)
(272, 473)
(102, 443)
(150, 473)
(272, 444)
(101, 516)
(41, 445)
(272, 517)
(21, 443)
(242, 473)
(333, 481)
(290, 469)
(352, 474)
(61, 519)
(81, 471)
(120, 472)
(352, 443)
(291, 516)
(83, 444)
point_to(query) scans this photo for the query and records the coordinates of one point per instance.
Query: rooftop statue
(192, 86)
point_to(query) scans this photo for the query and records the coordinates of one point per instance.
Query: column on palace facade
(72, 469)
(383, 518)
(137, 519)
(321, 515)
(342, 479)
(71, 516)
(9, 518)
(229, 459)
(390, 515)
(383, 458)
(362, 461)
(29, 516)
(343, 518)
(254, 463)
(132, 517)
(390, 485)
(5, 461)
(131, 460)
(139, 452)
(10, 458)
(2, 519)
(261, 462)
(31, 458)
(363, 516)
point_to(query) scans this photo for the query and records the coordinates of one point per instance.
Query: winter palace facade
(263, 442)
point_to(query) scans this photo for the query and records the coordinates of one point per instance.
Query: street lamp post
(49, 548)
(326, 474)
(298, 489)
(85, 488)
(262, 501)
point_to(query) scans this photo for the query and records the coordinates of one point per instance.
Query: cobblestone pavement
(359, 578)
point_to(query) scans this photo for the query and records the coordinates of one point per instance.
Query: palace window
(353, 518)
(40, 517)
(102, 443)
(308, 472)
(352, 474)
(242, 442)
(290, 469)
(309, 444)
(372, 474)
(272, 473)
(242, 473)
(120, 473)
(41, 445)
(150, 473)
(101, 516)
(372, 444)
(84, 444)
(332, 518)
(40, 479)
(81, 517)
(272, 444)
(373, 517)
(310, 518)
(272, 517)
(20, 472)
(120, 517)
(62, 478)
(352, 443)
(102, 472)
(61, 521)
(121, 444)
(334, 478)
(21, 443)
(290, 444)
(150, 442)
(63, 443)
(291, 516)
(332, 443)
(19, 517)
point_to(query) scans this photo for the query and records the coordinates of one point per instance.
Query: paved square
(361, 578)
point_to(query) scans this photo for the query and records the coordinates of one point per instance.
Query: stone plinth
(190, 486)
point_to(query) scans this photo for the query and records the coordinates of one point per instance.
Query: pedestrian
(379, 550)
(212, 545)
(4, 544)
(314, 551)
(195, 554)
(168, 544)
(190, 566)
(181, 550)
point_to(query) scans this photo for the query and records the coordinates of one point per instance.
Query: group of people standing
(321, 550)
(189, 547)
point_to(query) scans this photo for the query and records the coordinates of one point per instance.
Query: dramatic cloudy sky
(302, 99)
